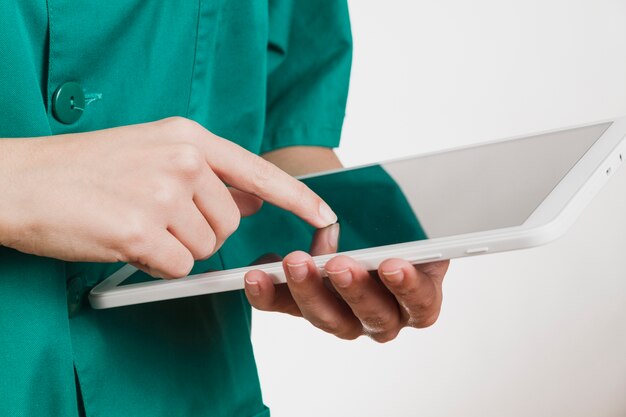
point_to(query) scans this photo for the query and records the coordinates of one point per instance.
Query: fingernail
(333, 235)
(298, 272)
(341, 278)
(394, 277)
(327, 214)
(253, 287)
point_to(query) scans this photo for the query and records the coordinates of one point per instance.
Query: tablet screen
(490, 186)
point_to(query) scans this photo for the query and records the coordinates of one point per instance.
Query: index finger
(251, 173)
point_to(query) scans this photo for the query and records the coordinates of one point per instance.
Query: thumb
(248, 204)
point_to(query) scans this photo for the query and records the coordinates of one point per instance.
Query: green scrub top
(266, 74)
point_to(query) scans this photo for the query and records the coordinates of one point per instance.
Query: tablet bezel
(550, 220)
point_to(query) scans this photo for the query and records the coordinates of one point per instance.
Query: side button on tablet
(475, 251)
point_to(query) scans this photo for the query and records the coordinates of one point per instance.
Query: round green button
(68, 103)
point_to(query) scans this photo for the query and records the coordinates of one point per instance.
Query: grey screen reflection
(489, 186)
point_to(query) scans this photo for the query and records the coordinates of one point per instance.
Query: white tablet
(498, 196)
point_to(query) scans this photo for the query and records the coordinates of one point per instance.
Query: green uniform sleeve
(309, 59)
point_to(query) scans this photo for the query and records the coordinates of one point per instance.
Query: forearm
(12, 151)
(301, 160)
(4, 159)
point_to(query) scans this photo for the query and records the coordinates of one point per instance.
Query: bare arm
(300, 160)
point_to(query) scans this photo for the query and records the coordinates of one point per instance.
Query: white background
(540, 332)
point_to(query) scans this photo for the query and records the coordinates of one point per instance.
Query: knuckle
(328, 325)
(234, 219)
(181, 124)
(133, 239)
(351, 334)
(426, 321)
(419, 299)
(304, 197)
(301, 192)
(354, 298)
(262, 173)
(166, 197)
(174, 120)
(427, 301)
(228, 225)
(378, 322)
(405, 292)
(207, 248)
(384, 337)
(181, 267)
(188, 161)
(306, 300)
(258, 304)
